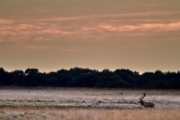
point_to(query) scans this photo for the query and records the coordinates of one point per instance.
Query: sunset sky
(140, 35)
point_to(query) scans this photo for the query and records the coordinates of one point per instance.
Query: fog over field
(89, 97)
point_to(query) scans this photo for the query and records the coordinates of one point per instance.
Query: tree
(84, 77)
(31, 71)
(18, 77)
(128, 75)
(32, 77)
(3, 77)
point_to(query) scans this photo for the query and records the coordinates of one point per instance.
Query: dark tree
(84, 77)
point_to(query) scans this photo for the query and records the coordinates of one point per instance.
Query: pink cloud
(158, 13)
(25, 26)
(6, 21)
(157, 27)
(85, 27)
(161, 27)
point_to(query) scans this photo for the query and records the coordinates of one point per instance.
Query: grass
(41, 103)
(90, 95)
(88, 114)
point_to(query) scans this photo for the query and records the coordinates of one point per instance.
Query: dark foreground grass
(50, 113)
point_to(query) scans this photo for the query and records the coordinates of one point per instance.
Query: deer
(145, 104)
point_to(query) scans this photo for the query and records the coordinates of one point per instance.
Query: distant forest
(84, 77)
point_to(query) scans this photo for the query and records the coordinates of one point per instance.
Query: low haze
(141, 35)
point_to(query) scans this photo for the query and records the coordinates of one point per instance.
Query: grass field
(84, 95)
(87, 104)
(27, 113)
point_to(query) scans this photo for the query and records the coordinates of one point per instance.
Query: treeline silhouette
(84, 77)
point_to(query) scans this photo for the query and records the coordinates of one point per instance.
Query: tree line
(84, 77)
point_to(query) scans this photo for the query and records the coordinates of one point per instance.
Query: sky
(140, 35)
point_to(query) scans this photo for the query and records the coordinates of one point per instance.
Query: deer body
(146, 104)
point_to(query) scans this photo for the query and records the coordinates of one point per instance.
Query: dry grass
(89, 114)
(84, 94)
(32, 104)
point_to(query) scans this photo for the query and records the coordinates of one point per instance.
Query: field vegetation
(86, 104)
(30, 113)
(129, 96)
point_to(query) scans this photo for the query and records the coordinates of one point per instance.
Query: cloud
(156, 27)
(5, 21)
(94, 27)
(98, 16)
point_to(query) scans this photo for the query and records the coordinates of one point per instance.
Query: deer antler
(143, 96)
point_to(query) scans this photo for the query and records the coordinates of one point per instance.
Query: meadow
(87, 104)
(29, 113)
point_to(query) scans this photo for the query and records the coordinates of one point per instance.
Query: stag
(145, 104)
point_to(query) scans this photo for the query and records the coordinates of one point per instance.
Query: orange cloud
(157, 27)
(92, 27)
(5, 21)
